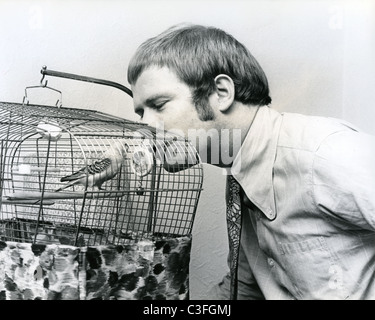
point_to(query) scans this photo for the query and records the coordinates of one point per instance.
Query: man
(307, 183)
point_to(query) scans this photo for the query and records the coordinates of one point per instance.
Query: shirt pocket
(310, 271)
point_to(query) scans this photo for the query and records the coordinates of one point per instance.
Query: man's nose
(150, 119)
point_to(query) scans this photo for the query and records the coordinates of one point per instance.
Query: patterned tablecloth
(147, 269)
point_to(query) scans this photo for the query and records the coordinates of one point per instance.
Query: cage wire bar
(138, 183)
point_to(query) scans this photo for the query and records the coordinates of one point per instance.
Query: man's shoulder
(308, 131)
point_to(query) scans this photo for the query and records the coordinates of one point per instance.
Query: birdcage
(83, 177)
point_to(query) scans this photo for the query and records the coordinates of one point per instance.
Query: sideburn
(204, 110)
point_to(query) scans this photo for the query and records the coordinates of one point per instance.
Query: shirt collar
(253, 165)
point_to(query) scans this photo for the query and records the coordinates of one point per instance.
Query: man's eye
(159, 105)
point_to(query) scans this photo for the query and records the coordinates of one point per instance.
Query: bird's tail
(60, 189)
(64, 187)
(73, 176)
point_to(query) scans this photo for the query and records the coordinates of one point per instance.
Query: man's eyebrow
(150, 100)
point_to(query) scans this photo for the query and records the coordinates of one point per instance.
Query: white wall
(318, 56)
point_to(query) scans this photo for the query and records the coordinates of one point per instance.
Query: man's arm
(343, 179)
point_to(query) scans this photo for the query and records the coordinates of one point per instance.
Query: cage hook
(43, 76)
(43, 84)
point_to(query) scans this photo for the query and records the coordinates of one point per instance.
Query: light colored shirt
(310, 231)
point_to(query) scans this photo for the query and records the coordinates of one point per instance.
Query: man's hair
(197, 54)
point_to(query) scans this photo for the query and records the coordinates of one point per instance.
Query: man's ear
(225, 91)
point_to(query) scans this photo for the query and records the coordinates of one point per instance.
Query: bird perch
(35, 195)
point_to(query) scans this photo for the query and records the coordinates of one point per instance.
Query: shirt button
(271, 262)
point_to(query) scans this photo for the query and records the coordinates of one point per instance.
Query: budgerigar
(102, 170)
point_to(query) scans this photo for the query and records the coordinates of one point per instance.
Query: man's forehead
(157, 73)
(155, 82)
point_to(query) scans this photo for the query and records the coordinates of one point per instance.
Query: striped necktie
(234, 230)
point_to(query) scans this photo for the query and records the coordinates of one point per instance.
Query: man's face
(163, 101)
